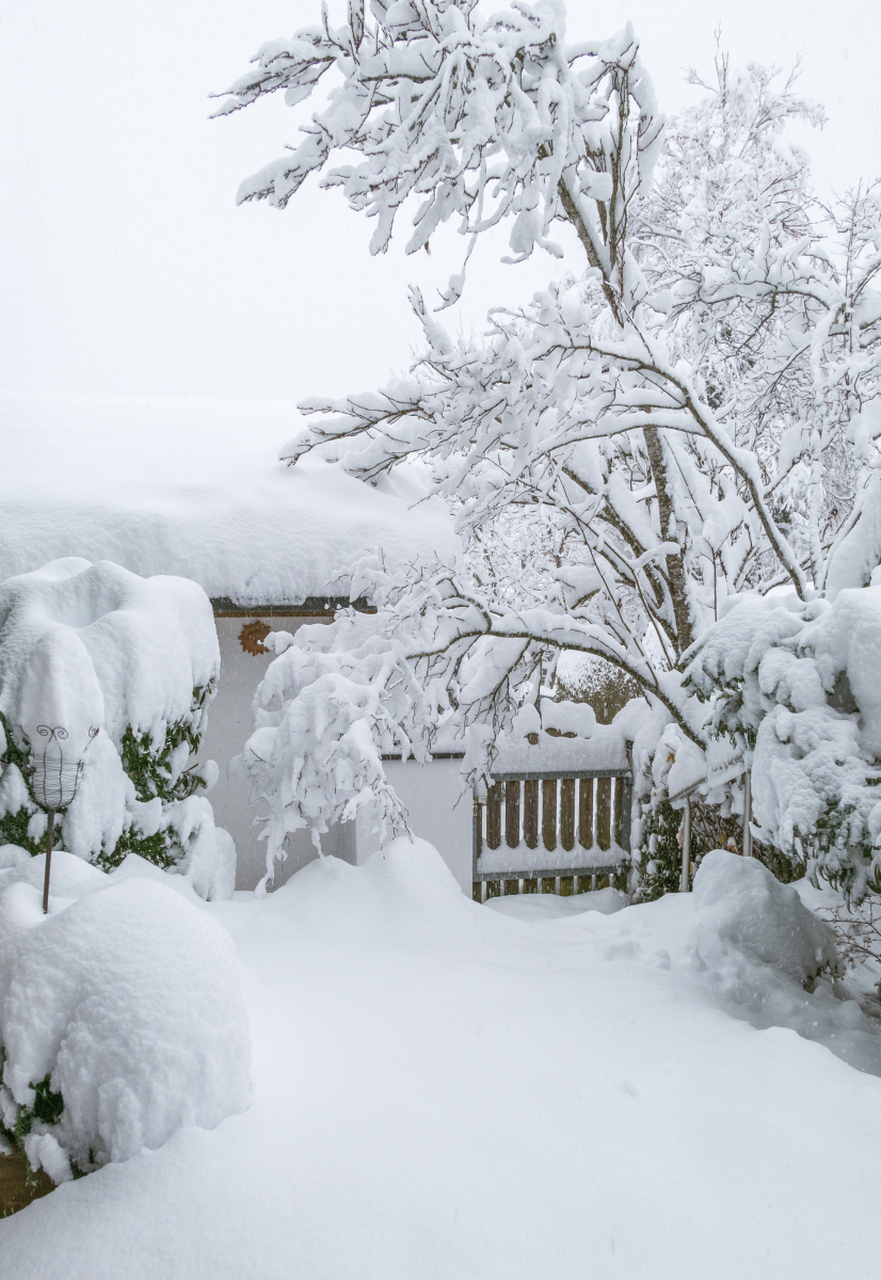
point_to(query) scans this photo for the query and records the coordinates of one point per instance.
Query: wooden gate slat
(549, 813)
(618, 825)
(622, 829)
(604, 812)
(530, 814)
(567, 813)
(585, 814)
(512, 814)
(494, 816)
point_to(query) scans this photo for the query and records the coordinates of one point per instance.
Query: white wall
(440, 811)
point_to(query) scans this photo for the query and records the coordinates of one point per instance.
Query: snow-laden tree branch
(478, 119)
(325, 714)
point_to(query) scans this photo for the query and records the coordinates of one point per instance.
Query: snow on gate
(544, 831)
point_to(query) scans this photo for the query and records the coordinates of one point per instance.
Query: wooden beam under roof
(311, 607)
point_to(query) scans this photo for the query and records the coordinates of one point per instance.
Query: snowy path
(441, 1091)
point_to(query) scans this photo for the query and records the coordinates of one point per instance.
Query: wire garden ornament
(54, 782)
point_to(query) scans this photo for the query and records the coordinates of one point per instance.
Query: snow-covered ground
(445, 1090)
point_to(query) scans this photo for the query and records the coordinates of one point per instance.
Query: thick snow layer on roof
(195, 488)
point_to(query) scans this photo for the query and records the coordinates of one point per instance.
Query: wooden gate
(551, 833)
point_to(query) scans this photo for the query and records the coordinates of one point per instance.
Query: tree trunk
(675, 566)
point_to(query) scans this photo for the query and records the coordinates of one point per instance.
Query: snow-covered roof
(195, 488)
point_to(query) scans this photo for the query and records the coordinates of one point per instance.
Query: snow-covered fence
(544, 830)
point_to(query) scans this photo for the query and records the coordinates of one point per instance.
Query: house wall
(440, 810)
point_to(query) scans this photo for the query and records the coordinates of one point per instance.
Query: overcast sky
(127, 268)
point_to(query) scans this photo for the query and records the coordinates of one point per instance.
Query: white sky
(126, 267)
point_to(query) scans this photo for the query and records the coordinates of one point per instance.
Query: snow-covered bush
(97, 647)
(740, 907)
(798, 682)
(315, 756)
(121, 1016)
(770, 960)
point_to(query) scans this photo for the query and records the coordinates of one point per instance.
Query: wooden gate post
(747, 814)
(686, 848)
(477, 886)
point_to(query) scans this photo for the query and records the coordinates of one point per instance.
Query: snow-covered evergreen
(126, 666)
(797, 684)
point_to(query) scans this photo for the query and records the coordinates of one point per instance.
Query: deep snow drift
(443, 1091)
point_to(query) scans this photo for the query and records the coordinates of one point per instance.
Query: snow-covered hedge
(121, 1015)
(95, 646)
(798, 684)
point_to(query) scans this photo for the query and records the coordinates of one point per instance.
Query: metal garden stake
(55, 778)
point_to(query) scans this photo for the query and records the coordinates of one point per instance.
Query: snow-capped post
(54, 781)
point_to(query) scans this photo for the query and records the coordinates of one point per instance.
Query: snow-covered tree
(688, 416)
(128, 666)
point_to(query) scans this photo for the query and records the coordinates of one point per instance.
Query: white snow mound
(405, 888)
(129, 999)
(553, 906)
(69, 875)
(769, 960)
(740, 906)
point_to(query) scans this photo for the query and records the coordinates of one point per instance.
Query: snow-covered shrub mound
(11, 855)
(127, 667)
(771, 960)
(121, 1019)
(399, 888)
(71, 876)
(740, 906)
(801, 680)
